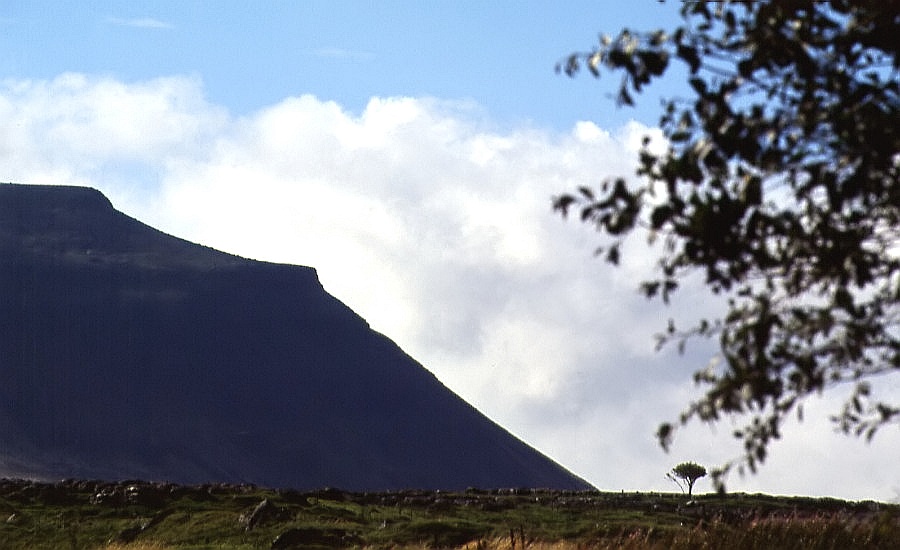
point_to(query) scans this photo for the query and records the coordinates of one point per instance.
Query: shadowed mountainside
(129, 353)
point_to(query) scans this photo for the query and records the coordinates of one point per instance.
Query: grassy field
(143, 516)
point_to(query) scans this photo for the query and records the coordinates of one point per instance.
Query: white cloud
(140, 22)
(437, 228)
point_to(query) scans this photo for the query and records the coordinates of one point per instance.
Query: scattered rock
(260, 512)
(307, 537)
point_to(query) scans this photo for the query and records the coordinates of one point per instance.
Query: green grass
(76, 515)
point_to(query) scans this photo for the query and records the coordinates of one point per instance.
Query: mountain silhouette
(126, 353)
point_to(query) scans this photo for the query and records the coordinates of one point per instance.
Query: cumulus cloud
(140, 22)
(435, 226)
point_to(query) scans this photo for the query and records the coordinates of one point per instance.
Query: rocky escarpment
(128, 353)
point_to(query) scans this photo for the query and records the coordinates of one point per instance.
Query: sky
(409, 151)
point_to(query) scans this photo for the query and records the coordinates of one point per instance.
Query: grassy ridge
(144, 516)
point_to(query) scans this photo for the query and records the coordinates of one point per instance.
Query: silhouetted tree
(779, 183)
(687, 473)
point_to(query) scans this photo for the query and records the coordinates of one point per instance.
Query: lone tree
(779, 184)
(687, 473)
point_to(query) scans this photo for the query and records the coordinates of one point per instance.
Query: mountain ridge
(129, 353)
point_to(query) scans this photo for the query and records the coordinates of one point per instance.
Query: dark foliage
(780, 185)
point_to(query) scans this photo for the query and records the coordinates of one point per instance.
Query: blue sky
(408, 151)
(500, 55)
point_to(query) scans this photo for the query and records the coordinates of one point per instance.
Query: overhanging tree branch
(780, 185)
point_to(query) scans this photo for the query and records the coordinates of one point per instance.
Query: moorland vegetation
(94, 515)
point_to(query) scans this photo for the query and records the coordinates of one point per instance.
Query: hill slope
(128, 353)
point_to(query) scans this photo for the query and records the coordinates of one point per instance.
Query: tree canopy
(687, 473)
(779, 184)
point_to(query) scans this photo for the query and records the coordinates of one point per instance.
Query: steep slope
(128, 353)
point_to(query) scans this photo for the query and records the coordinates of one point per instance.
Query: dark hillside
(128, 353)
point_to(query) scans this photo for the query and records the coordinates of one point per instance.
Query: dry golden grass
(635, 542)
(504, 544)
(136, 546)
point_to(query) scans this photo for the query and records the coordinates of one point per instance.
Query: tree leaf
(776, 192)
